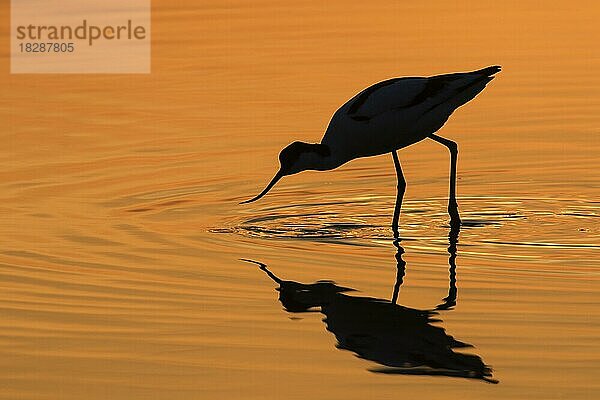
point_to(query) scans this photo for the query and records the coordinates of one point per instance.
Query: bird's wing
(385, 96)
(404, 93)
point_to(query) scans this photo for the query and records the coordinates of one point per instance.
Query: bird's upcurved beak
(276, 178)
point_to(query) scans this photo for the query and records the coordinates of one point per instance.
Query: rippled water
(122, 235)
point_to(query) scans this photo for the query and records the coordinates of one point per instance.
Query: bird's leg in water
(452, 204)
(399, 194)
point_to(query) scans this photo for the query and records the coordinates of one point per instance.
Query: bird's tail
(466, 87)
(489, 71)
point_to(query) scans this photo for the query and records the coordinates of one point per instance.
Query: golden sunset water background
(122, 232)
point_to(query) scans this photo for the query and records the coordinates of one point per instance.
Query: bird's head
(294, 158)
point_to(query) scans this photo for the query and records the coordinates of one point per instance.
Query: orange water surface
(122, 235)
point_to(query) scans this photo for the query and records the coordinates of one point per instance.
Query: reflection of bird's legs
(452, 203)
(401, 269)
(450, 301)
(399, 195)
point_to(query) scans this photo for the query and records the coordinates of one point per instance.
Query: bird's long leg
(399, 195)
(452, 204)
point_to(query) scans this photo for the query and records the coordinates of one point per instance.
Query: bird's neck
(326, 163)
(321, 159)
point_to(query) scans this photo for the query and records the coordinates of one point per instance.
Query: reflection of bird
(383, 118)
(403, 340)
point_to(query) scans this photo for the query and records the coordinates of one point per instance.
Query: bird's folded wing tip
(494, 69)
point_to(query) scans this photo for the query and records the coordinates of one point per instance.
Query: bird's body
(396, 113)
(386, 117)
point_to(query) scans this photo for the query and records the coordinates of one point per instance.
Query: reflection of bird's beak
(277, 177)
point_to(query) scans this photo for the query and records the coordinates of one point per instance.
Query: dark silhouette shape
(384, 118)
(402, 340)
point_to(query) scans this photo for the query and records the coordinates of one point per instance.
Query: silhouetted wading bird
(384, 118)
